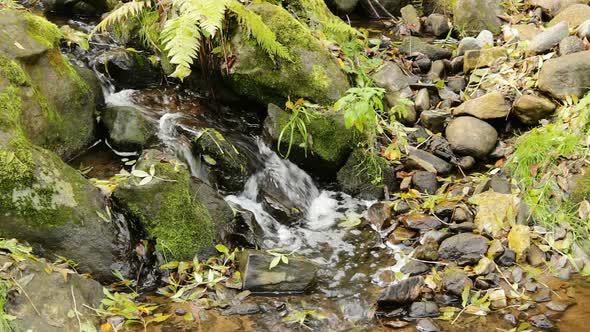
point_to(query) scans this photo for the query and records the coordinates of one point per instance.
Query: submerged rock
(565, 76)
(128, 127)
(314, 73)
(296, 276)
(169, 207)
(43, 298)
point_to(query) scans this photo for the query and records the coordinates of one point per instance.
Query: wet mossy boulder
(128, 69)
(314, 73)
(128, 127)
(58, 100)
(168, 207)
(46, 297)
(227, 166)
(329, 146)
(43, 200)
(366, 175)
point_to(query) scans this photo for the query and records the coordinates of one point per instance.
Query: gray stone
(421, 222)
(476, 15)
(463, 244)
(558, 305)
(508, 258)
(485, 38)
(566, 75)
(428, 161)
(584, 29)
(484, 58)
(128, 69)
(535, 256)
(378, 214)
(541, 321)
(437, 71)
(411, 17)
(427, 325)
(434, 120)
(571, 44)
(414, 268)
(128, 127)
(573, 15)
(424, 309)
(489, 106)
(456, 83)
(411, 45)
(438, 25)
(466, 162)
(529, 109)
(455, 280)
(471, 136)
(549, 38)
(402, 293)
(425, 182)
(468, 44)
(295, 277)
(422, 100)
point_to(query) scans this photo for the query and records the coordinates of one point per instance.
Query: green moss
(11, 71)
(42, 30)
(64, 68)
(169, 210)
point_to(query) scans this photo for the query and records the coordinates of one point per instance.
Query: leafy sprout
(301, 115)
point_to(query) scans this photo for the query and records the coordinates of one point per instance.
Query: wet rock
(463, 244)
(414, 268)
(437, 24)
(541, 322)
(412, 45)
(462, 227)
(44, 297)
(77, 7)
(573, 15)
(422, 62)
(428, 251)
(508, 258)
(396, 324)
(456, 83)
(423, 309)
(486, 38)
(510, 319)
(422, 100)
(468, 44)
(558, 305)
(529, 109)
(531, 287)
(402, 293)
(427, 325)
(476, 15)
(411, 18)
(242, 309)
(445, 209)
(471, 136)
(489, 106)
(295, 277)
(391, 78)
(434, 120)
(566, 75)
(401, 234)
(425, 182)
(543, 295)
(483, 58)
(549, 38)
(229, 168)
(314, 73)
(332, 142)
(455, 280)
(535, 256)
(421, 222)
(429, 162)
(571, 44)
(170, 209)
(361, 183)
(456, 65)
(379, 214)
(462, 214)
(128, 127)
(434, 236)
(129, 70)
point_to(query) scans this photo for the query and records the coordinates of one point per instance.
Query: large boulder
(573, 15)
(330, 145)
(565, 76)
(366, 176)
(58, 104)
(43, 200)
(128, 127)
(313, 74)
(470, 136)
(169, 207)
(128, 69)
(472, 16)
(44, 298)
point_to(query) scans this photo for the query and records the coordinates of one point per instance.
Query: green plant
(126, 305)
(362, 108)
(301, 115)
(186, 24)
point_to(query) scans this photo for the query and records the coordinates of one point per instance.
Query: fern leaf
(211, 13)
(181, 38)
(120, 14)
(265, 38)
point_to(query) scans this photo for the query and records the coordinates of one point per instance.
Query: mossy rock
(473, 16)
(129, 69)
(228, 167)
(128, 127)
(331, 142)
(314, 73)
(168, 207)
(365, 176)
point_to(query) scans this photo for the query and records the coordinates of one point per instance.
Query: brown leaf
(534, 169)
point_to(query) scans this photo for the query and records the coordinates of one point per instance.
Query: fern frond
(181, 38)
(211, 13)
(120, 14)
(265, 38)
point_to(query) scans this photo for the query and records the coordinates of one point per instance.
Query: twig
(76, 307)
(26, 295)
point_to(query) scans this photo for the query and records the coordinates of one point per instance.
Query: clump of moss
(43, 31)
